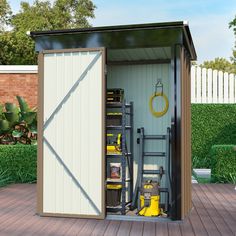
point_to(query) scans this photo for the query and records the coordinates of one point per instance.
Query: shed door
(73, 133)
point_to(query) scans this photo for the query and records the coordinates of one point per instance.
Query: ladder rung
(152, 172)
(164, 190)
(158, 154)
(155, 137)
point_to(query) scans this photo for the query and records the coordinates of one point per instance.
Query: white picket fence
(212, 86)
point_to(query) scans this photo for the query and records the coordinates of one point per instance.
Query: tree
(18, 48)
(220, 64)
(232, 25)
(5, 13)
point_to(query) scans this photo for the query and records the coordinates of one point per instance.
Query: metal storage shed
(76, 67)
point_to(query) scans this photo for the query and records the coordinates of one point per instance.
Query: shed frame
(175, 35)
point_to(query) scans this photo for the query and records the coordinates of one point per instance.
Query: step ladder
(143, 138)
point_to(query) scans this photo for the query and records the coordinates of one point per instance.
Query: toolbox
(115, 95)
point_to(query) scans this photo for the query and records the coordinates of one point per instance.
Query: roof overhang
(118, 37)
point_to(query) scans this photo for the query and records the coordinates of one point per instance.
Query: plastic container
(113, 194)
(115, 170)
(114, 119)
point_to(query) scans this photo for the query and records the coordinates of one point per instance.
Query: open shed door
(71, 133)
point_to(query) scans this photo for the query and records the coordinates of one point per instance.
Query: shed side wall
(186, 199)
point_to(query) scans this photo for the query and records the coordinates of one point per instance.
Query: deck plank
(76, 227)
(201, 209)
(214, 213)
(112, 228)
(229, 198)
(194, 218)
(14, 218)
(125, 228)
(186, 228)
(88, 228)
(174, 229)
(100, 228)
(230, 189)
(136, 229)
(149, 229)
(161, 229)
(230, 222)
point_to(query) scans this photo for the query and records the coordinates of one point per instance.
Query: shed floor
(214, 213)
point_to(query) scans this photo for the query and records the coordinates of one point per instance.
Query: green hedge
(212, 124)
(18, 163)
(223, 163)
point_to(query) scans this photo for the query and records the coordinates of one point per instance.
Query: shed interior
(137, 71)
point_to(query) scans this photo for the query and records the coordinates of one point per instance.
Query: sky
(208, 19)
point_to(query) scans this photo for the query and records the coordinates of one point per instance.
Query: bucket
(113, 194)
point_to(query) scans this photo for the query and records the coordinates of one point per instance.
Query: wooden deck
(214, 213)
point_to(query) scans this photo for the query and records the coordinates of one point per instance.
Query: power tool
(114, 143)
(149, 199)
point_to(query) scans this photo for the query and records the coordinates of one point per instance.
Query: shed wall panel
(186, 193)
(73, 148)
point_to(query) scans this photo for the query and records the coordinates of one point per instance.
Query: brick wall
(21, 84)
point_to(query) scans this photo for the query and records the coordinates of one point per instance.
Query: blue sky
(208, 19)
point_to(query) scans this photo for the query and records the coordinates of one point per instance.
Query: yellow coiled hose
(158, 113)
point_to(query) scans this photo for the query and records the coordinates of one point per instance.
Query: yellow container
(114, 186)
(112, 149)
(114, 144)
(153, 209)
(113, 194)
(149, 199)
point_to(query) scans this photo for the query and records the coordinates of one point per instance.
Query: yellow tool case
(114, 143)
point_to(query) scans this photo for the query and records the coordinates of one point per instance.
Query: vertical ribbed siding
(186, 168)
(75, 133)
(138, 82)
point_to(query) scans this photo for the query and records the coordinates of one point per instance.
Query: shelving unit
(126, 156)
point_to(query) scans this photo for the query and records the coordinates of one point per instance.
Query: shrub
(223, 163)
(212, 124)
(4, 180)
(18, 124)
(18, 163)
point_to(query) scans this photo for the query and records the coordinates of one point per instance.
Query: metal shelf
(116, 180)
(126, 155)
(117, 155)
(118, 127)
(118, 105)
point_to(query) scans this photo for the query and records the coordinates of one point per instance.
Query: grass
(4, 180)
